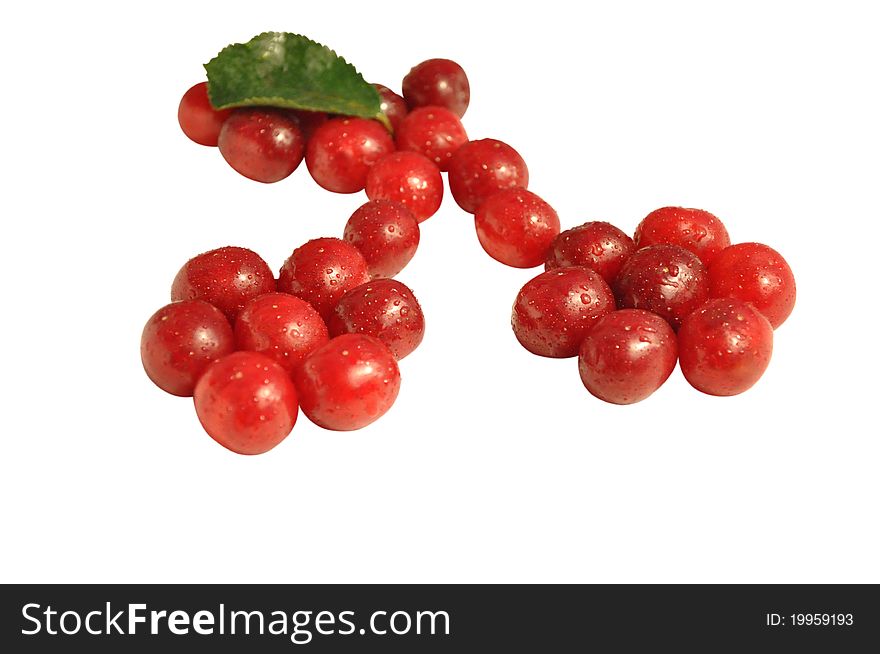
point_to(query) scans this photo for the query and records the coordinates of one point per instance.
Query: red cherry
(434, 132)
(392, 105)
(348, 383)
(724, 346)
(341, 151)
(197, 117)
(665, 279)
(439, 82)
(386, 234)
(554, 311)
(758, 274)
(596, 245)
(180, 340)
(308, 121)
(482, 168)
(321, 271)
(226, 277)
(627, 356)
(265, 145)
(408, 178)
(282, 327)
(693, 229)
(246, 402)
(383, 308)
(516, 227)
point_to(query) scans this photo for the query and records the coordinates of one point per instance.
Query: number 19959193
(810, 620)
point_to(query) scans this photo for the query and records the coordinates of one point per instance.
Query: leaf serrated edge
(286, 103)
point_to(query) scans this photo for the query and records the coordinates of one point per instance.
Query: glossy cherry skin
(758, 274)
(597, 245)
(385, 309)
(386, 234)
(180, 340)
(434, 132)
(308, 121)
(226, 277)
(246, 402)
(627, 355)
(342, 150)
(554, 311)
(408, 178)
(724, 346)
(392, 105)
(198, 119)
(440, 82)
(348, 383)
(265, 145)
(693, 229)
(281, 326)
(482, 168)
(516, 227)
(666, 279)
(321, 271)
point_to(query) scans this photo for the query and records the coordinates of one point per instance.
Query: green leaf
(280, 69)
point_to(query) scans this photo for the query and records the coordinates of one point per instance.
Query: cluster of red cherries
(326, 335)
(629, 308)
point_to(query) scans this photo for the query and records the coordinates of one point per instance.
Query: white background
(494, 465)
